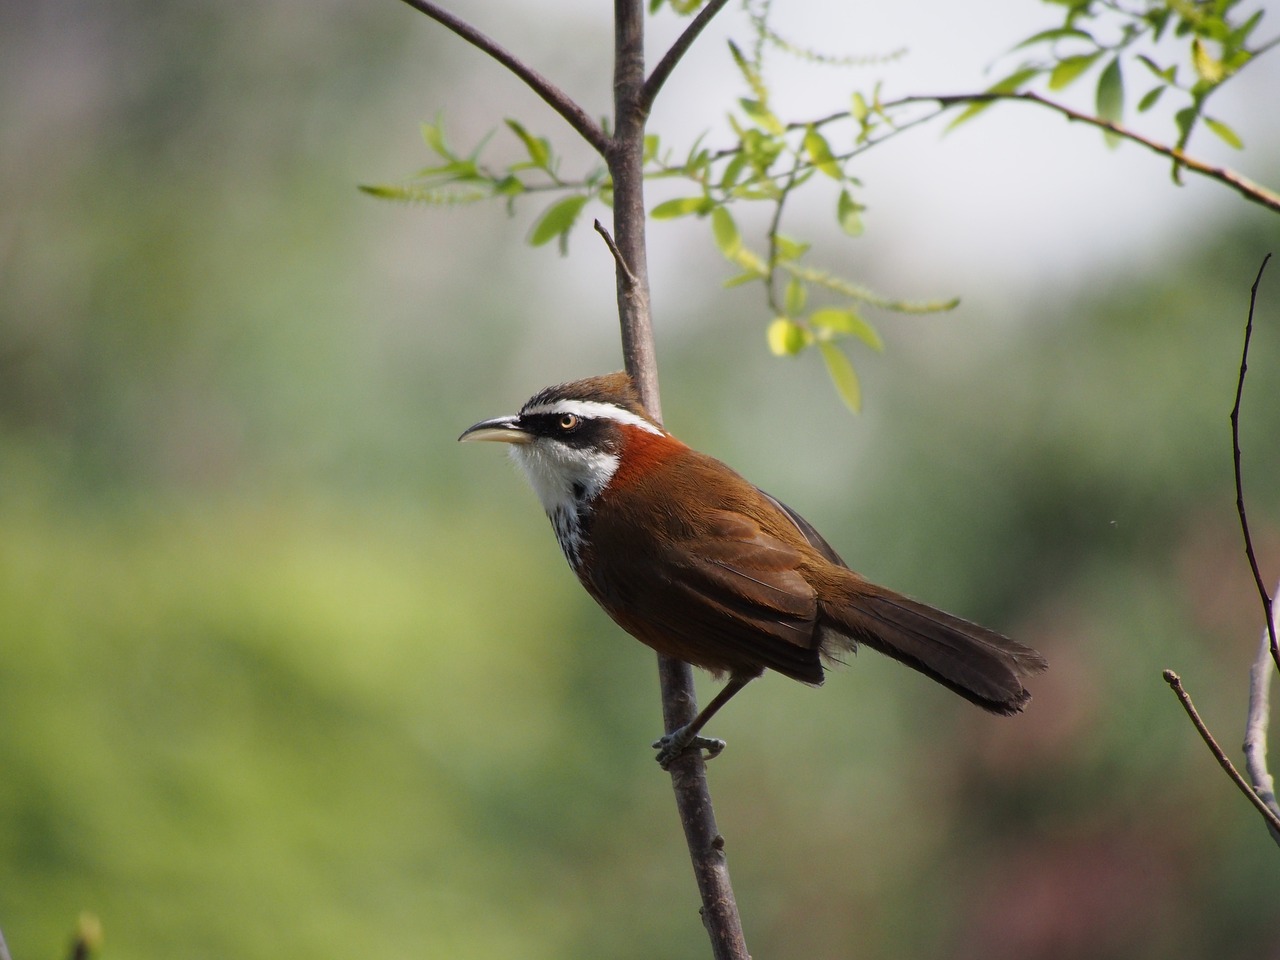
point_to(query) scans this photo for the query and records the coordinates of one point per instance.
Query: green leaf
(842, 375)
(681, 207)
(797, 295)
(557, 220)
(1224, 132)
(732, 170)
(508, 186)
(1185, 120)
(1057, 33)
(433, 136)
(740, 279)
(1210, 70)
(725, 232)
(847, 322)
(1010, 84)
(787, 250)
(849, 214)
(1070, 69)
(1111, 92)
(786, 337)
(539, 150)
(859, 110)
(1149, 99)
(758, 111)
(1167, 74)
(819, 151)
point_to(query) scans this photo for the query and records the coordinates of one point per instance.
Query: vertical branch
(679, 704)
(625, 158)
(624, 154)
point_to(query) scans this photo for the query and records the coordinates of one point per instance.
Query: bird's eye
(569, 421)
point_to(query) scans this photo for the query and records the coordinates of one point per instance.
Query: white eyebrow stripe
(589, 409)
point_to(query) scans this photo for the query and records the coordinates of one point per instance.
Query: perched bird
(697, 563)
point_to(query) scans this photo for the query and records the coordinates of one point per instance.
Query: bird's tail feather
(981, 665)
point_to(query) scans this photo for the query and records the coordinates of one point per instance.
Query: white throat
(566, 479)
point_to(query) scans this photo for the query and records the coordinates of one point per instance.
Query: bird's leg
(682, 739)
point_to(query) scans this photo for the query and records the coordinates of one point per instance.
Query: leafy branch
(1186, 49)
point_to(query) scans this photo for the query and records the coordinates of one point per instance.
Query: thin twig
(4, 948)
(556, 98)
(1235, 449)
(1175, 682)
(678, 49)
(1244, 186)
(618, 258)
(1255, 733)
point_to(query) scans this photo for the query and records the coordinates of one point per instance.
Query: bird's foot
(679, 742)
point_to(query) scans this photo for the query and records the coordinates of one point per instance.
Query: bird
(699, 564)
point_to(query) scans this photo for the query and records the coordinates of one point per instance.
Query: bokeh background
(284, 672)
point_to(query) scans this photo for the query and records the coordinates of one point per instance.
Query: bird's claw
(677, 743)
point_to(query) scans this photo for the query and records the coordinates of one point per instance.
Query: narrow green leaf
(797, 294)
(788, 250)
(1111, 92)
(433, 136)
(1057, 33)
(847, 322)
(740, 279)
(556, 220)
(786, 337)
(842, 375)
(1167, 74)
(849, 214)
(819, 151)
(538, 149)
(1228, 136)
(1149, 99)
(725, 232)
(732, 170)
(1070, 69)
(680, 207)
(1010, 84)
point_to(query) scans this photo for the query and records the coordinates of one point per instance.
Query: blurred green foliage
(283, 673)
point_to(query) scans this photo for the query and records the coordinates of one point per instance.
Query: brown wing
(708, 586)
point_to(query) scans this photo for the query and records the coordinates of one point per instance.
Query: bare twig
(1255, 734)
(4, 948)
(618, 259)
(678, 49)
(1174, 681)
(1241, 184)
(1235, 450)
(556, 98)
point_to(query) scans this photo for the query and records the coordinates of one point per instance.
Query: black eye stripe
(586, 432)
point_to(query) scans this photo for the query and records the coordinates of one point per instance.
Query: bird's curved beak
(499, 429)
